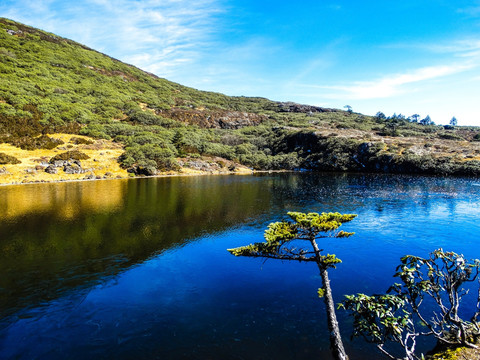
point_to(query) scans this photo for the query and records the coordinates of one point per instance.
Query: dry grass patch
(102, 161)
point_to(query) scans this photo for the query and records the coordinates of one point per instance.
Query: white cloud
(393, 85)
(156, 35)
(464, 48)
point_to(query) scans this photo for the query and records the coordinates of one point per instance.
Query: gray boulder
(52, 169)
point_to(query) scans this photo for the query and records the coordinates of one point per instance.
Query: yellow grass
(102, 163)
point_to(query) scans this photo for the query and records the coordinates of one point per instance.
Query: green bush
(33, 143)
(216, 149)
(148, 156)
(8, 159)
(70, 155)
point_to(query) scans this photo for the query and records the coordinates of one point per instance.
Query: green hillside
(49, 85)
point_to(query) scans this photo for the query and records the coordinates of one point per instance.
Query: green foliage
(50, 84)
(145, 159)
(314, 223)
(380, 319)
(8, 159)
(32, 143)
(148, 118)
(308, 227)
(217, 149)
(393, 317)
(321, 292)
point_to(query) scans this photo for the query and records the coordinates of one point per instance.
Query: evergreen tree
(426, 121)
(380, 116)
(415, 118)
(308, 228)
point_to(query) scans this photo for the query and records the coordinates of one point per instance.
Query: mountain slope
(54, 85)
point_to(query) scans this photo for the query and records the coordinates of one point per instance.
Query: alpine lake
(139, 268)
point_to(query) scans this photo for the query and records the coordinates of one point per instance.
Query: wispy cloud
(394, 84)
(458, 56)
(473, 10)
(467, 47)
(156, 35)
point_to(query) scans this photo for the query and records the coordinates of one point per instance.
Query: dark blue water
(139, 268)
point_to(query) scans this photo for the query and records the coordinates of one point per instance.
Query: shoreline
(165, 175)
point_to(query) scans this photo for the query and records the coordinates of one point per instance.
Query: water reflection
(63, 200)
(81, 232)
(138, 268)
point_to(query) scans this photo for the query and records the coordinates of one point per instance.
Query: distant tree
(400, 315)
(453, 121)
(380, 116)
(349, 108)
(415, 117)
(426, 121)
(306, 228)
(391, 125)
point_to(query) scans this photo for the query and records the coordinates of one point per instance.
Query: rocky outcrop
(51, 169)
(346, 154)
(68, 167)
(200, 165)
(143, 170)
(73, 169)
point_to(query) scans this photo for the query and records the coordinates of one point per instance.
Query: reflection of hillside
(62, 200)
(43, 252)
(114, 224)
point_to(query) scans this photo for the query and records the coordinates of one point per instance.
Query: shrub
(8, 159)
(41, 142)
(148, 156)
(80, 141)
(216, 149)
(70, 155)
(401, 316)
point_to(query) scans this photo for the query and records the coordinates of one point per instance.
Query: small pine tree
(309, 228)
(380, 116)
(415, 118)
(426, 121)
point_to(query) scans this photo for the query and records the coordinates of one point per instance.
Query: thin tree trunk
(336, 344)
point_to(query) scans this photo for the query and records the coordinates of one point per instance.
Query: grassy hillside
(51, 85)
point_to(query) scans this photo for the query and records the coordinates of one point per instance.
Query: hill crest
(53, 85)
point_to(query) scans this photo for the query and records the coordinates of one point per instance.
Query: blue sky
(391, 56)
